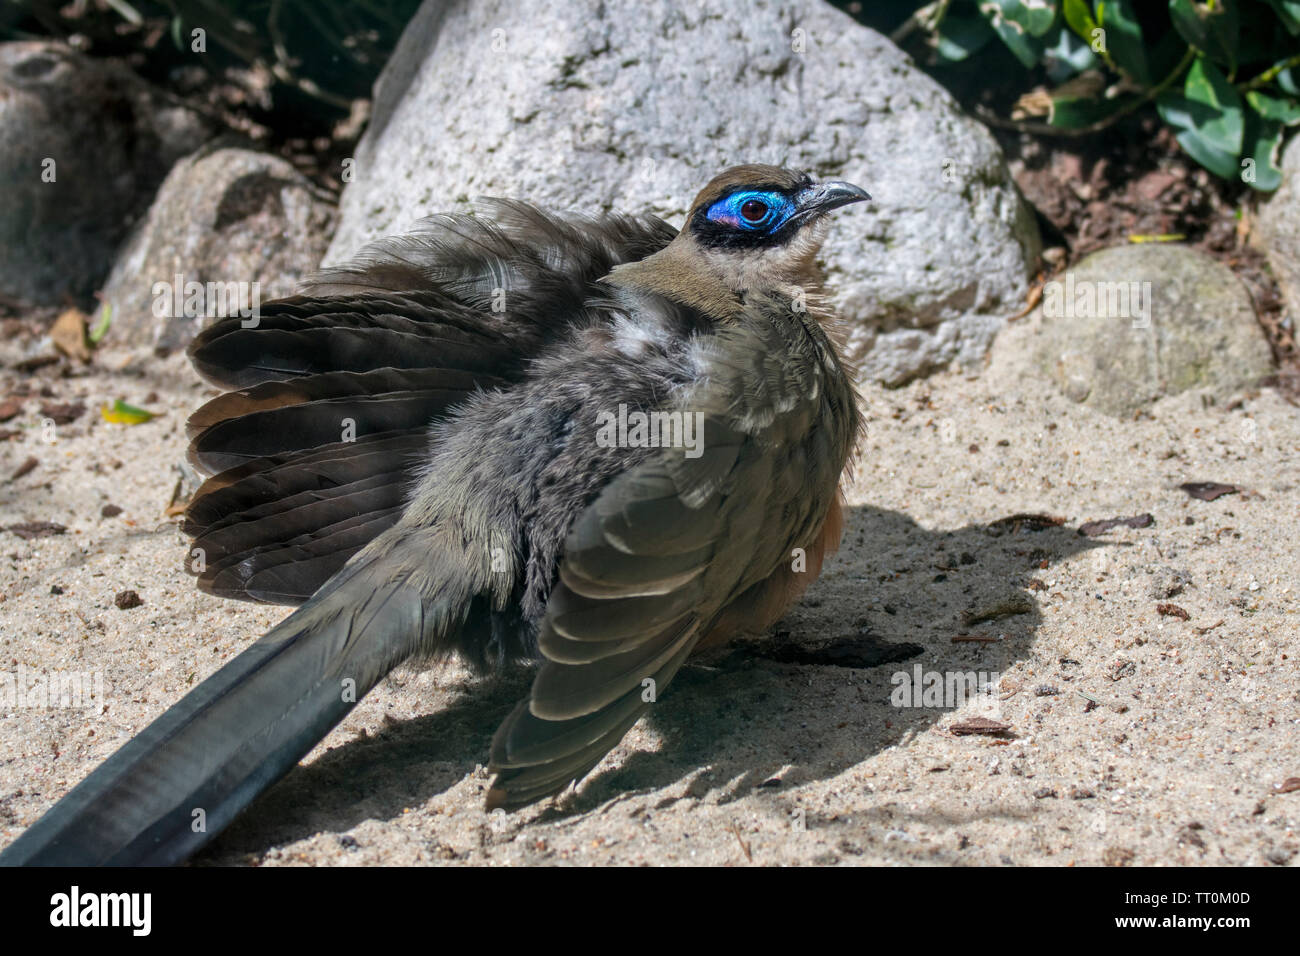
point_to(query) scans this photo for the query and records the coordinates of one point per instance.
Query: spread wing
(668, 546)
(313, 451)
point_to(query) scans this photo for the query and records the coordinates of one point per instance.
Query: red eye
(753, 210)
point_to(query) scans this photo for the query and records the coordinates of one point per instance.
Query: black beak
(823, 197)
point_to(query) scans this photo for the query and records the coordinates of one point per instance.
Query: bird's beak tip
(823, 197)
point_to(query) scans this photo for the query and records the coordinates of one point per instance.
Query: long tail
(189, 773)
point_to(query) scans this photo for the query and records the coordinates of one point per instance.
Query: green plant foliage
(1223, 74)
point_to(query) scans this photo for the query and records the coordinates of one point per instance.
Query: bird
(592, 442)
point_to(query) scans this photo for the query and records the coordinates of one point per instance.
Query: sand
(1133, 737)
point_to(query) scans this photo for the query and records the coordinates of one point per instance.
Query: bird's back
(314, 449)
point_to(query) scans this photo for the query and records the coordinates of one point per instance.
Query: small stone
(28, 530)
(1132, 323)
(26, 468)
(1189, 836)
(125, 600)
(979, 725)
(1117, 856)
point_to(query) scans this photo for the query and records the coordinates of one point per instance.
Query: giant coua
(420, 450)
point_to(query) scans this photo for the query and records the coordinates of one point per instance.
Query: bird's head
(763, 224)
(752, 228)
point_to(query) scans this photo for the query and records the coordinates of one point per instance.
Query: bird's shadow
(803, 704)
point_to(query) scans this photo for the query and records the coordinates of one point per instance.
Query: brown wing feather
(334, 391)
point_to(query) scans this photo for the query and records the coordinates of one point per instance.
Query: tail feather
(290, 571)
(279, 476)
(242, 729)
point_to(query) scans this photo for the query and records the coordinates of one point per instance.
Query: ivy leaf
(1213, 30)
(1286, 112)
(1068, 56)
(1288, 11)
(1075, 112)
(1184, 115)
(1215, 160)
(1078, 16)
(1259, 162)
(1124, 38)
(1216, 106)
(1288, 81)
(960, 36)
(1189, 21)
(1028, 49)
(1034, 17)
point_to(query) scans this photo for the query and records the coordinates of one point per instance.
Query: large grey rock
(1279, 231)
(1132, 323)
(83, 146)
(624, 104)
(222, 216)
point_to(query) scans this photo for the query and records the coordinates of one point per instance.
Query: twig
(1269, 75)
(1046, 129)
(928, 16)
(744, 847)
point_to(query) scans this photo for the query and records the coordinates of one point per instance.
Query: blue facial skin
(727, 211)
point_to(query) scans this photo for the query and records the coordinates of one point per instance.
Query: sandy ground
(748, 759)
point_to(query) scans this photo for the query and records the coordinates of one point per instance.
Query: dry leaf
(69, 335)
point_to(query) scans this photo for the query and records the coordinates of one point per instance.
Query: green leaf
(1188, 117)
(1288, 81)
(1189, 20)
(1124, 38)
(961, 35)
(1079, 17)
(1028, 49)
(1070, 112)
(1216, 112)
(1288, 11)
(120, 413)
(1286, 112)
(1034, 17)
(101, 327)
(1212, 158)
(1259, 162)
(1068, 56)
(1213, 29)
